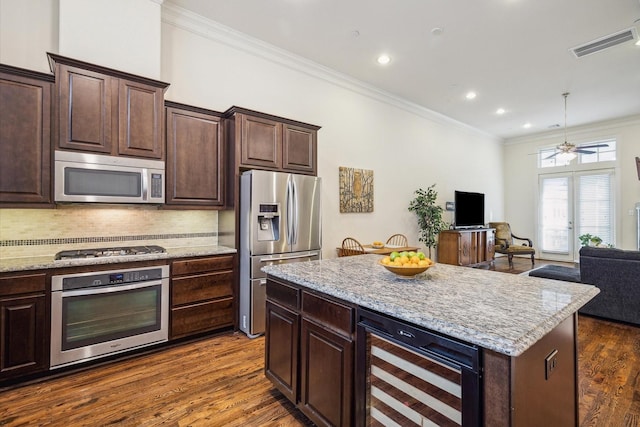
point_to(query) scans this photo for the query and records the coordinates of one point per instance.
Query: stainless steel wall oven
(106, 312)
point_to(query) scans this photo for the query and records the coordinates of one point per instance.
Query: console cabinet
(107, 111)
(201, 295)
(195, 157)
(24, 335)
(310, 352)
(25, 136)
(466, 247)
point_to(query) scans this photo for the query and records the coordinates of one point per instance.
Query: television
(469, 210)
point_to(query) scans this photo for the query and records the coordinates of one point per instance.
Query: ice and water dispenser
(269, 222)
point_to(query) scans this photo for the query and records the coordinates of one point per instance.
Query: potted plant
(429, 216)
(589, 240)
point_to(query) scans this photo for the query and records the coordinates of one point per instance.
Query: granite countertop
(503, 312)
(45, 262)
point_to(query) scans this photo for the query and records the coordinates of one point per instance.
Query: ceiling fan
(566, 150)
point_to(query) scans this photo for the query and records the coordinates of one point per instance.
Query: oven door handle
(109, 289)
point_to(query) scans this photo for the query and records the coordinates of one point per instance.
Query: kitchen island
(517, 335)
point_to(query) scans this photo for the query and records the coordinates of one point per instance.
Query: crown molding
(202, 26)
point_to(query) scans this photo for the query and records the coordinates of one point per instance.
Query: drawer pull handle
(405, 333)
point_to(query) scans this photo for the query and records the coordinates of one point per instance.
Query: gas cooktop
(105, 252)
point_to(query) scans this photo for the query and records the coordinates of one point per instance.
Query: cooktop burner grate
(105, 252)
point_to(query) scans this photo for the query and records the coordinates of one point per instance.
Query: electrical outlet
(550, 364)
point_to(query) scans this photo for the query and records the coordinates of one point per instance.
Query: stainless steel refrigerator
(279, 223)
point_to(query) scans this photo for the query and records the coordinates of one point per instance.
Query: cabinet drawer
(196, 318)
(22, 284)
(283, 294)
(200, 265)
(334, 315)
(201, 287)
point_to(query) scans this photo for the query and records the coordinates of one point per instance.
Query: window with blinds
(594, 205)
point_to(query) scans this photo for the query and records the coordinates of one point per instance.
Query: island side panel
(544, 379)
(497, 389)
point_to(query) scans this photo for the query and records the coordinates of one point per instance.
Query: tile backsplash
(43, 232)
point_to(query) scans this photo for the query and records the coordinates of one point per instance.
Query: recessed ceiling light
(384, 59)
(471, 95)
(500, 111)
(526, 125)
(436, 31)
(638, 43)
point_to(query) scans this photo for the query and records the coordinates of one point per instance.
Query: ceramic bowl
(406, 271)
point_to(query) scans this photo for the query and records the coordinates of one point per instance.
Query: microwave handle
(145, 184)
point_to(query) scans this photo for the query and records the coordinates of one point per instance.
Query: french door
(571, 204)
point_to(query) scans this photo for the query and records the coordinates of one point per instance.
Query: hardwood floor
(219, 381)
(214, 382)
(609, 373)
(522, 264)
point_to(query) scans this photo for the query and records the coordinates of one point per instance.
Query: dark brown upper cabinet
(107, 111)
(25, 137)
(195, 157)
(263, 141)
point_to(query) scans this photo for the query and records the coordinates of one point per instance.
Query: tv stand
(469, 247)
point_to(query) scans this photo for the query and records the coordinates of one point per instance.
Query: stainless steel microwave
(93, 178)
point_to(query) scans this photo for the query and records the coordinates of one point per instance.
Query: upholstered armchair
(504, 243)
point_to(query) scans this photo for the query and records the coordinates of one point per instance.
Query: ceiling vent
(605, 42)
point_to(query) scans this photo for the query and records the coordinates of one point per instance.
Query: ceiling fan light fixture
(566, 157)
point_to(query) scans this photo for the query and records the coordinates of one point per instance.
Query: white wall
(406, 146)
(28, 29)
(120, 34)
(521, 174)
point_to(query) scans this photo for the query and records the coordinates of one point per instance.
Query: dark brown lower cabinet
(310, 352)
(24, 341)
(281, 356)
(201, 295)
(326, 380)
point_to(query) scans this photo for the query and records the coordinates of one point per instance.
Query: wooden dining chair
(351, 246)
(398, 240)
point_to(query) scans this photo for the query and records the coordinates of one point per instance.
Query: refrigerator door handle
(290, 212)
(294, 231)
(284, 258)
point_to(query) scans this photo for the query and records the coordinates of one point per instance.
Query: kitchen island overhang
(517, 323)
(505, 313)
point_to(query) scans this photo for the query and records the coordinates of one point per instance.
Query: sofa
(615, 272)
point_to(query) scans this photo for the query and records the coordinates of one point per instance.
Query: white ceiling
(513, 53)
